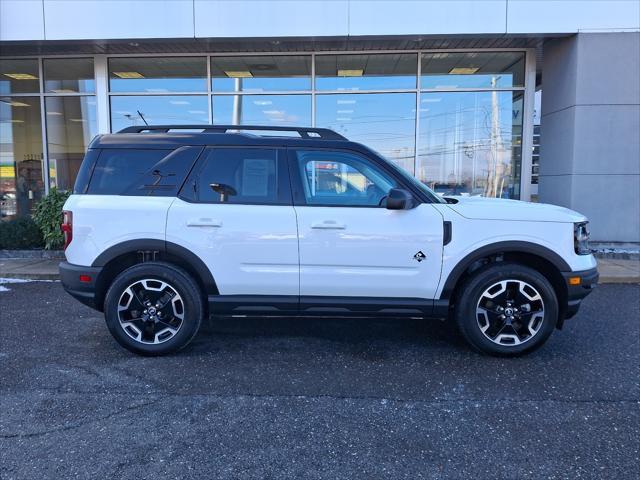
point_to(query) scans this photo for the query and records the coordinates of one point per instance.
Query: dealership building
(522, 99)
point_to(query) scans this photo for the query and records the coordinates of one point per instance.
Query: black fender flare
(501, 247)
(185, 256)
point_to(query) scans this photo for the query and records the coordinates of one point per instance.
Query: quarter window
(242, 176)
(341, 178)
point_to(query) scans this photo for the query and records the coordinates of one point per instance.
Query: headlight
(581, 238)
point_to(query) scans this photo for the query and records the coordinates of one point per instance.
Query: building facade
(446, 89)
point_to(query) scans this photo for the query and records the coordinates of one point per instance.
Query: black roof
(174, 136)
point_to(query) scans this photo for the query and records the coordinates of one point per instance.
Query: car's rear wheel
(154, 308)
(506, 309)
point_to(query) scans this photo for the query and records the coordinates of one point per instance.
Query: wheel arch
(535, 256)
(121, 256)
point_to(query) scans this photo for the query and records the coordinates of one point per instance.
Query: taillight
(67, 227)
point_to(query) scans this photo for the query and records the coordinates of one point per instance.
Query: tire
(506, 309)
(154, 308)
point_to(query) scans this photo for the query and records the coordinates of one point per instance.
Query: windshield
(433, 196)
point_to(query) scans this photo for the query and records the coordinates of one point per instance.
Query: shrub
(48, 216)
(21, 233)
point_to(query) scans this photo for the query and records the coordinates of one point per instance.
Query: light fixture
(344, 111)
(128, 74)
(346, 102)
(179, 102)
(463, 70)
(20, 76)
(238, 73)
(77, 120)
(343, 119)
(16, 121)
(350, 73)
(262, 102)
(15, 103)
(63, 90)
(196, 112)
(54, 113)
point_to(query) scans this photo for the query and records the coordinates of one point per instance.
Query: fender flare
(150, 244)
(501, 247)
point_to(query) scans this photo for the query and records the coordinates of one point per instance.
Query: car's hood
(502, 209)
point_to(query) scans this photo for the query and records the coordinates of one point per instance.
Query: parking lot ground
(316, 398)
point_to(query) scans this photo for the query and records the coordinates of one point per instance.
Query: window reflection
(127, 111)
(261, 73)
(19, 76)
(382, 121)
(71, 124)
(366, 72)
(470, 143)
(69, 75)
(158, 74)
(472, 69)
(289, 110)
(21, 181)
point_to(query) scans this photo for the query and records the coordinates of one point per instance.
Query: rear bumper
(83, 291)
(578, 290)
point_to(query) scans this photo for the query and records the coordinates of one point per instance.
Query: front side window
(242, 176)
(342, 178)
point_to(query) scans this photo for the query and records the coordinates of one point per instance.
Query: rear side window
(243, 176)
(118, 169)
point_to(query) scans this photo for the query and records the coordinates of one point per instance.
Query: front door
(235, 213)
(350, 244)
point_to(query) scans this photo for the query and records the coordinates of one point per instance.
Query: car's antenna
(142, 117)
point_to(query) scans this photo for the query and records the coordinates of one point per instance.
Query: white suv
(169, 224)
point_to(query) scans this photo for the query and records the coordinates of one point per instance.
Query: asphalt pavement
(315, 398)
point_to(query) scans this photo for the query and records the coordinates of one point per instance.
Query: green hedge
(20, 234)
(48, 216)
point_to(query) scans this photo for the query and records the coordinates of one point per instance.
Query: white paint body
(322, 251)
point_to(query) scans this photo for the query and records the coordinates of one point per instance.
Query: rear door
(350, 244)
(235, 212)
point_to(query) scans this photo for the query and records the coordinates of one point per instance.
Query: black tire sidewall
(178, 279)
(481, 280)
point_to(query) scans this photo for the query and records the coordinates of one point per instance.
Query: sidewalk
(611, 270)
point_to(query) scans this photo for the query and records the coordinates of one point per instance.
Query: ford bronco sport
(168, 224)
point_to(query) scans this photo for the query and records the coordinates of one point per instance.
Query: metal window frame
(103, 94)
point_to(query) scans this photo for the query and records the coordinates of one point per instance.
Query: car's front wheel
(506, 309)
(154, 308)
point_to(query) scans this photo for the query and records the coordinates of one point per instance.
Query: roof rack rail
(304, 132)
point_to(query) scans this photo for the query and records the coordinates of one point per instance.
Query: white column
(527, 125)
(102, 97)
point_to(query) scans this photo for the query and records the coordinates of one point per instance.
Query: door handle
(204, 222)
(329, 225)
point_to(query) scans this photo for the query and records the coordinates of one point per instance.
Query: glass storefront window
(71, 124)
(275, 110)
(472, 70)
(69, 75)
(386, 71)
(19, 76)
(263, 73)
(158, 74)
(383, 121)
(470, 143)
(127, 111)
(21, 181)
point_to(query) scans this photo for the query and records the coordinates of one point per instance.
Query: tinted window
(242, 175)
(117, 169)
(341, 178)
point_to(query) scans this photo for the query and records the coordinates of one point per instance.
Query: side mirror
(399, 199)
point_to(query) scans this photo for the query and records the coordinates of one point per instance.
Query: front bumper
(82, 290)
(579, 285)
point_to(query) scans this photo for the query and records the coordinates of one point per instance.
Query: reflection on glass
(132, 110)
(366, 72)
(19, 76)
(472, 69)
(158, 74)
(470, 143)
(263, 73)
(382, 121)
(276, 110)
(71, 124)
(21, 183)
(69, 75)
